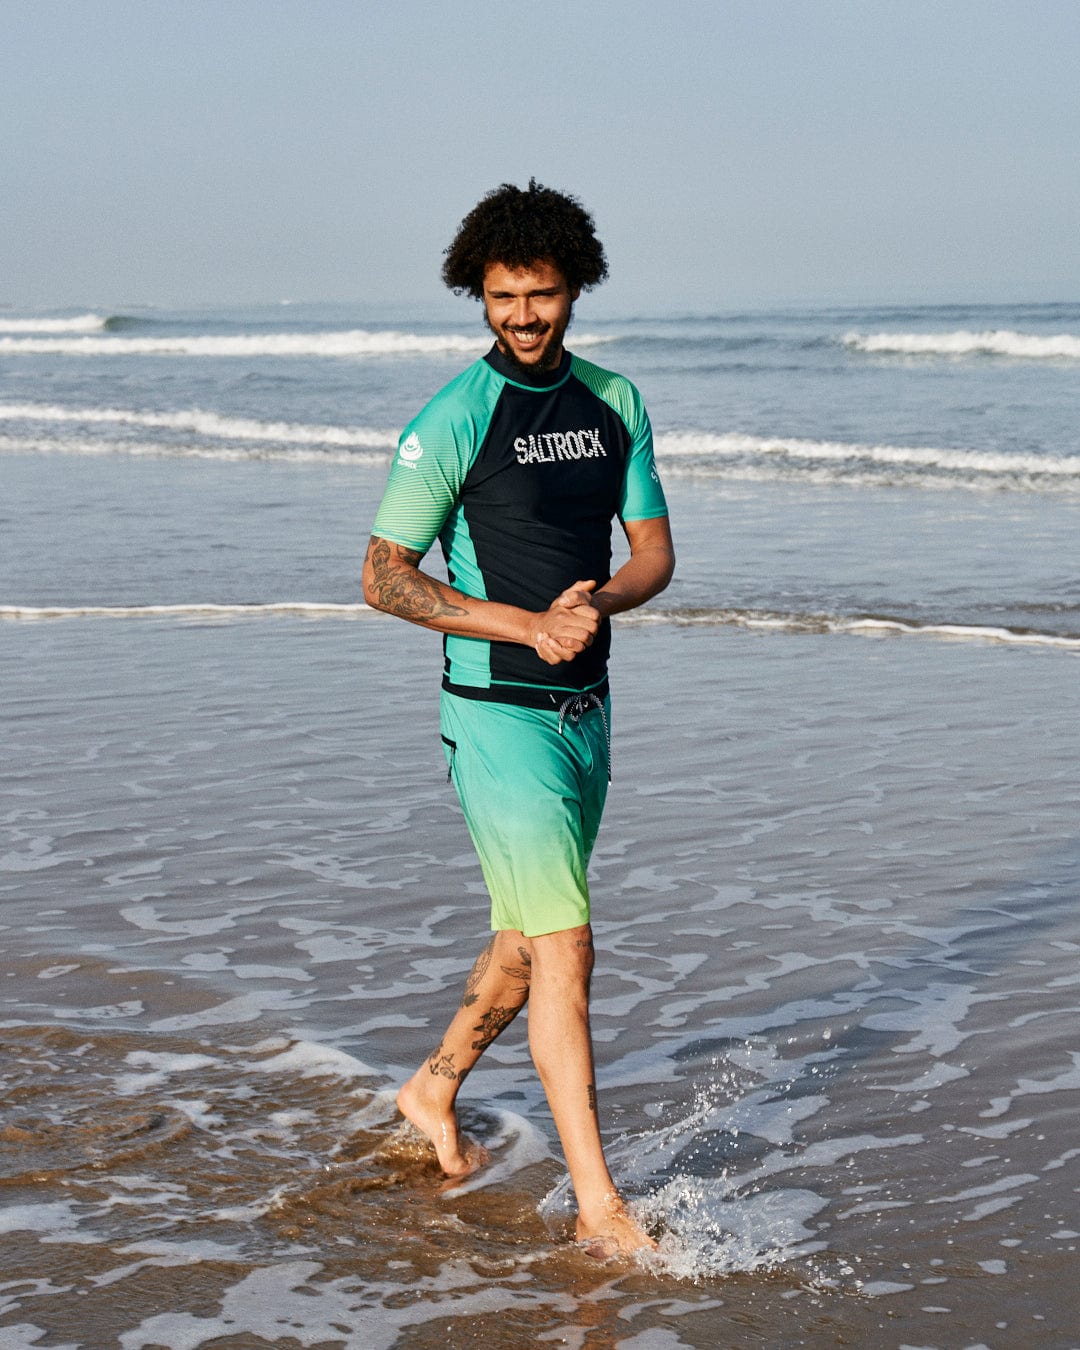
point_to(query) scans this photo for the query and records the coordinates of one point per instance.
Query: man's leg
(561, 1045)
(495, 992)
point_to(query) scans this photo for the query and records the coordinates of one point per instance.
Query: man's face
(528, 311)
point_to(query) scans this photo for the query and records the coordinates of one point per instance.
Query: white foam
(229, 454)
(654, 1338)
(1066, 1081)
(688, 445)
(731, 455)
(285, 1302)
(760, 621)
(308, 1059)
(20, 1335)
(158, 1069)
(999, 342)
(80, 323)
(712, 1232)
(515, 1144)
(46, 1218)
(202, 423)
(313, 609)
(964, 632)
(248, 1008)
(355, 343)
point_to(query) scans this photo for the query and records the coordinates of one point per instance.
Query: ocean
(834, 896)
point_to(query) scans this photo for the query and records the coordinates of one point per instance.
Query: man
(518, 467)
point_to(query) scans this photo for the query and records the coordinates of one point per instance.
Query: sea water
(834, 893)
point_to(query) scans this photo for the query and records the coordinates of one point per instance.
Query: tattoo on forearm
(494, 1021)
(592, 1096)
(442, 1065)
(408, 594)
(477, 973)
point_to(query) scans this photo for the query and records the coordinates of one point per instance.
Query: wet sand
(834, 899)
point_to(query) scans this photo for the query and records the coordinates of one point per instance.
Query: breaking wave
(81, 323)
(200, 423)
(1000, 342)
(729, 456)
(739, 455)
(757, 620)
(768, 621)
(357, 342)
(307, 609)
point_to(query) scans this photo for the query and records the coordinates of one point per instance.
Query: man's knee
(567, 954)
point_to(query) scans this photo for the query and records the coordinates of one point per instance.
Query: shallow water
(835, 1001)
(834, 893)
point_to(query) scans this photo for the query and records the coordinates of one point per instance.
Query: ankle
(597, 1209)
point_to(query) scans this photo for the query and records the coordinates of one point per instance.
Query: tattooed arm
(394, 582)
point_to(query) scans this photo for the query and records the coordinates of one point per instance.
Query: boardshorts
(532, 795)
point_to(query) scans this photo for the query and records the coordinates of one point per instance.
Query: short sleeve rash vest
(519, 476)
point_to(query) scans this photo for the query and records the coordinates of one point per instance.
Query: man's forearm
(642, 576)
(394, 583)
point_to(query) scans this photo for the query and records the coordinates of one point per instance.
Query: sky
(734, 153)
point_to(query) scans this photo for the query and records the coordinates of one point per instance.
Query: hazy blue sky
(733, 154)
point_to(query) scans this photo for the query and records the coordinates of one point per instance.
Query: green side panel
(470, 658)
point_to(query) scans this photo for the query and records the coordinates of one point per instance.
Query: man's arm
(394, 583)
(645, 573)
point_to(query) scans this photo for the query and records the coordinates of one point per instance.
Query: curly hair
(518, 228)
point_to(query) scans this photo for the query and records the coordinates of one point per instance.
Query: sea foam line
(314, 609)
(165, 450)
(690, 444)
(859, 627)
(676, 449)
(755, 620)
(358, 342)
(999, 342)
(82, 323)
(203, 423)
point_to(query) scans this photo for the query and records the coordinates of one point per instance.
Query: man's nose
(523, 311)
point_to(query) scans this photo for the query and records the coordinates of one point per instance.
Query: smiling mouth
(527, 335)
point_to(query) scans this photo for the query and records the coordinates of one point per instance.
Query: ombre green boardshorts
(532, 797)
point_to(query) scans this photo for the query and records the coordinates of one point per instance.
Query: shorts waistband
(525, 695)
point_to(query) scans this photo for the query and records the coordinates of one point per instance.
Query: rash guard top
(519, 475)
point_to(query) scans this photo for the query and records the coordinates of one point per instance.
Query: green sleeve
(642, 494)
(434, 454)
(642, 497)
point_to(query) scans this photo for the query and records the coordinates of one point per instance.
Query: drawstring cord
(575, 707)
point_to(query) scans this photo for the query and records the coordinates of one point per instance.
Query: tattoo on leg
(409, 594)
(477, 973)
(442, 1065)
(522, 973)
(494, 1021)
(585, 942)
(592, 1096)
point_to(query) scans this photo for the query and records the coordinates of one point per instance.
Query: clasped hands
(568, 625)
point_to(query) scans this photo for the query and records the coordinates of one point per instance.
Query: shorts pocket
(449, 750)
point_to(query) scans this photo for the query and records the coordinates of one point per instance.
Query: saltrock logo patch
(550, 446)
(411, 449)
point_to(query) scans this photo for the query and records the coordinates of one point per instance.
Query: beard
(550, 354)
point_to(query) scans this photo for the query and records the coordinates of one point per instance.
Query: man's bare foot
(457, 1154)
(612, 1231)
